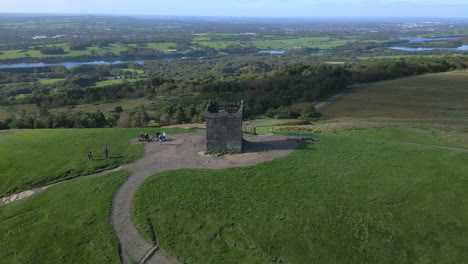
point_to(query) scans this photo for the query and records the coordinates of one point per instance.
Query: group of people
(161, 137)
(106, 154)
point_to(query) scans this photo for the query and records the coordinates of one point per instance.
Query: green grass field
(312, 42)
(119, 81)
(217, 44)
(345, 199)
(67, 223)
(158, 46)
(434, 98)
(32, 158)
(47, 81)
(13, 54)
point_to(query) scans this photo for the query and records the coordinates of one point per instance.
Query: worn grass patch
(345, 199)
(32, 158)
(67, 223)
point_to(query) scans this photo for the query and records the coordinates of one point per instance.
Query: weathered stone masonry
(224, 127)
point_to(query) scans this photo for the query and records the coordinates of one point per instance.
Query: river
(272, 51)
(461, 48)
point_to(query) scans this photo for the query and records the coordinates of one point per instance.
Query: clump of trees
(52, 51)
(98, 119)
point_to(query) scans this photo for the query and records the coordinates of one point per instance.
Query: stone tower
(224, 127)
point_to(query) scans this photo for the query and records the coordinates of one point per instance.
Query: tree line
(264, 90)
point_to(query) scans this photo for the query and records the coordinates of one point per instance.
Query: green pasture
(20, 96)
(311, 42)
(217, 44)
(67, 223)
(161, 46)
(344, 199)
(118, 81)
(433, 98)
(201, 39)
(48, 81)
(13, 54)
(158, 46)
(33, 158)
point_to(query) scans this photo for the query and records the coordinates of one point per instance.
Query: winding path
(181, 151)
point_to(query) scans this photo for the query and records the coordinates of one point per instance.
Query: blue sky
(246, 8)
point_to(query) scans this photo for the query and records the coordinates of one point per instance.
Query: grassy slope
(32, 158)
(345, 199)
(439, 98)
(68, 223)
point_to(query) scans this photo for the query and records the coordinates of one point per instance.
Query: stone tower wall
(223, 130)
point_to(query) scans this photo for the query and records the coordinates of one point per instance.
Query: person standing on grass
(106, 152)
(90, 156)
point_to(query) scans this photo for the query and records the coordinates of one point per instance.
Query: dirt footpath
(178, 152)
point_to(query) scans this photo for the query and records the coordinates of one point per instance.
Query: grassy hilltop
(363, 194)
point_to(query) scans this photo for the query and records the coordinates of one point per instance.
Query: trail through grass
(67, 223)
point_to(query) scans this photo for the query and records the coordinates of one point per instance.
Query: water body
(461, 48)
(67, 65)
(428, 39)
(272, 51)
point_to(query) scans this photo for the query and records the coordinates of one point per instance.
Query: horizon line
(234, 16)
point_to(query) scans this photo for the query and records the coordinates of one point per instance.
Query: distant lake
(67, 65)
(464, 47)
(428, 39)
(273, 51)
